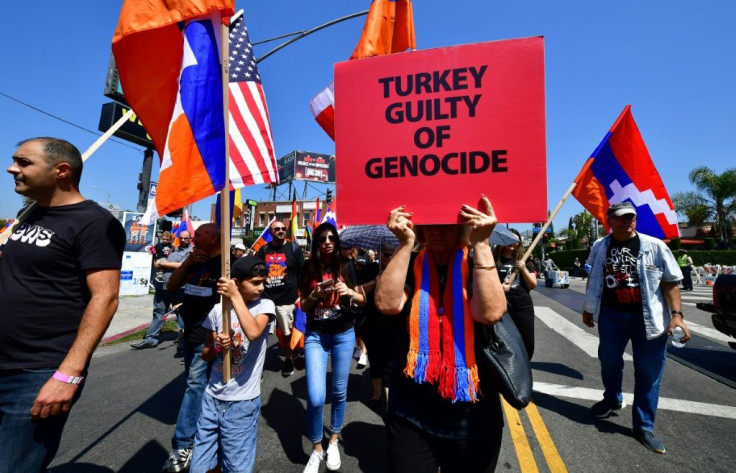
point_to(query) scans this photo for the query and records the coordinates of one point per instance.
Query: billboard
(307, 166)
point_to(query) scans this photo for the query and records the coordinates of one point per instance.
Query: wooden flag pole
(4, 236)
(225, 198)
(542, 230)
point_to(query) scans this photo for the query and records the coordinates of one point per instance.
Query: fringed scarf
(442, 353)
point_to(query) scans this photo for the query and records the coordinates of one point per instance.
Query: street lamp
(102, 190)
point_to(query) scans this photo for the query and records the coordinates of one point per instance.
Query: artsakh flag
(168, 58)
(265, 237)
(299, 328)
(389, 28)
(622, 170)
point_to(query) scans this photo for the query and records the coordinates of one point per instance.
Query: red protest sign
(434, 129)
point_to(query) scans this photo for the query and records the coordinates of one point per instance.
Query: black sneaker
(603, 409)
(288, 368)
(649, 440)
(299, 361)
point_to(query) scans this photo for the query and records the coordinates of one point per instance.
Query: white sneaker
(333, 457)
(178, 460)
(362, 361)
(314, 460)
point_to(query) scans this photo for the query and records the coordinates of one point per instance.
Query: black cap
(622, 208)
(248, 267)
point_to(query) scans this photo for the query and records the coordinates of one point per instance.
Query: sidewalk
(134, 313)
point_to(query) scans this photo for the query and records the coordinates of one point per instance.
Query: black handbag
(502, 350)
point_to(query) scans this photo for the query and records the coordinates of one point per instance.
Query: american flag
(252, 158)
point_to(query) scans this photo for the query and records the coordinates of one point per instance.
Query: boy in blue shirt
(229, 417)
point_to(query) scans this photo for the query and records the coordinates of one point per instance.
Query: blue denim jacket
(655, 264)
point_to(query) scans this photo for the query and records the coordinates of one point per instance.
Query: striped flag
(264, 238)
(389, 28)
(621, 170)
(168, 57)
(294, 220)
(252, 157)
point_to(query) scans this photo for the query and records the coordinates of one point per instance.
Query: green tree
(714, 201)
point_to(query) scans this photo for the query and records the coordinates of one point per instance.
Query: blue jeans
(316, 348)
(198, 372)
(26, 445)
(226, 433)
(162, 301)
(616, 329)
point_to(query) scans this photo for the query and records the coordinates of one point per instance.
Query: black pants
(411, 450)
(687, 280)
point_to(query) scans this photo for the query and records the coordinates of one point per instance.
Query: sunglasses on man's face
(279, 229)
(325, 238)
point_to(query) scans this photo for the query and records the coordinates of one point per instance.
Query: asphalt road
(126, 416)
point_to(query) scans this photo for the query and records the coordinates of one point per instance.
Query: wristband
(476, 266)
(65, 378)
(673, 312)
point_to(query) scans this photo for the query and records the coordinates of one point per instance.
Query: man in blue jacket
(633, 295)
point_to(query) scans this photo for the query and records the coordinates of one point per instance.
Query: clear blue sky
(672, 61)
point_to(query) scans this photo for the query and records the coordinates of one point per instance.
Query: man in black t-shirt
(285, 261)
(633, 295)
(197, 275)
(59, 279)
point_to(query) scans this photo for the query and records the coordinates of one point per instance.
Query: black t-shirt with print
(284, 265)
(621, 290)
(43, 286)
(200, 296)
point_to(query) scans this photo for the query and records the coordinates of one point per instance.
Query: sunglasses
(279, 229)
(325, 238)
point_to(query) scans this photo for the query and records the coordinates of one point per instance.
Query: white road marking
(708, 332)
(579, 337)
(668, 404)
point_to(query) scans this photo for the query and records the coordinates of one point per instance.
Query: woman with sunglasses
(443, 412)
(520, 305)
(326, 287)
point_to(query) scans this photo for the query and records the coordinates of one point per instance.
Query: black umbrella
(370, 237)
(502, 236)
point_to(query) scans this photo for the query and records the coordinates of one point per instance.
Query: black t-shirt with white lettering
(43, 288)
(621, 290)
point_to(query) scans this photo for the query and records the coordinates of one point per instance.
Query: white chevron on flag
(642, 198)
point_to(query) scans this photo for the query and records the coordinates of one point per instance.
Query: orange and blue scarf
(442, 353)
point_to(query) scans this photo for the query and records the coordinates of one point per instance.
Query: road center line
(521, 443)
(554, 461)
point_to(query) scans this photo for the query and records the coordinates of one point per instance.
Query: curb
(112, 338)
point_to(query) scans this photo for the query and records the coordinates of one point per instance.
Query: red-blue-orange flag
(621, 169)
(389, 28)
(168, 57)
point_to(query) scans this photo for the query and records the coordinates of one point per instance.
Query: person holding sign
(444, 412)
(327, 288)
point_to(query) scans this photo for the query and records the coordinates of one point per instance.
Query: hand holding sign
(481, 223)
(400, 224)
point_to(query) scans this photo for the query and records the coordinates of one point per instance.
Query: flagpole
(225, 199)
(95, 146)
(542, 230)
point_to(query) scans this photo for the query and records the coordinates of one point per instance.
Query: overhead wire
(96, 133)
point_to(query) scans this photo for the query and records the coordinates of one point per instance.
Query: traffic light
(328, 196)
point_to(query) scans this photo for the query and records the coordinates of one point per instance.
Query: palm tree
(715, 200)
